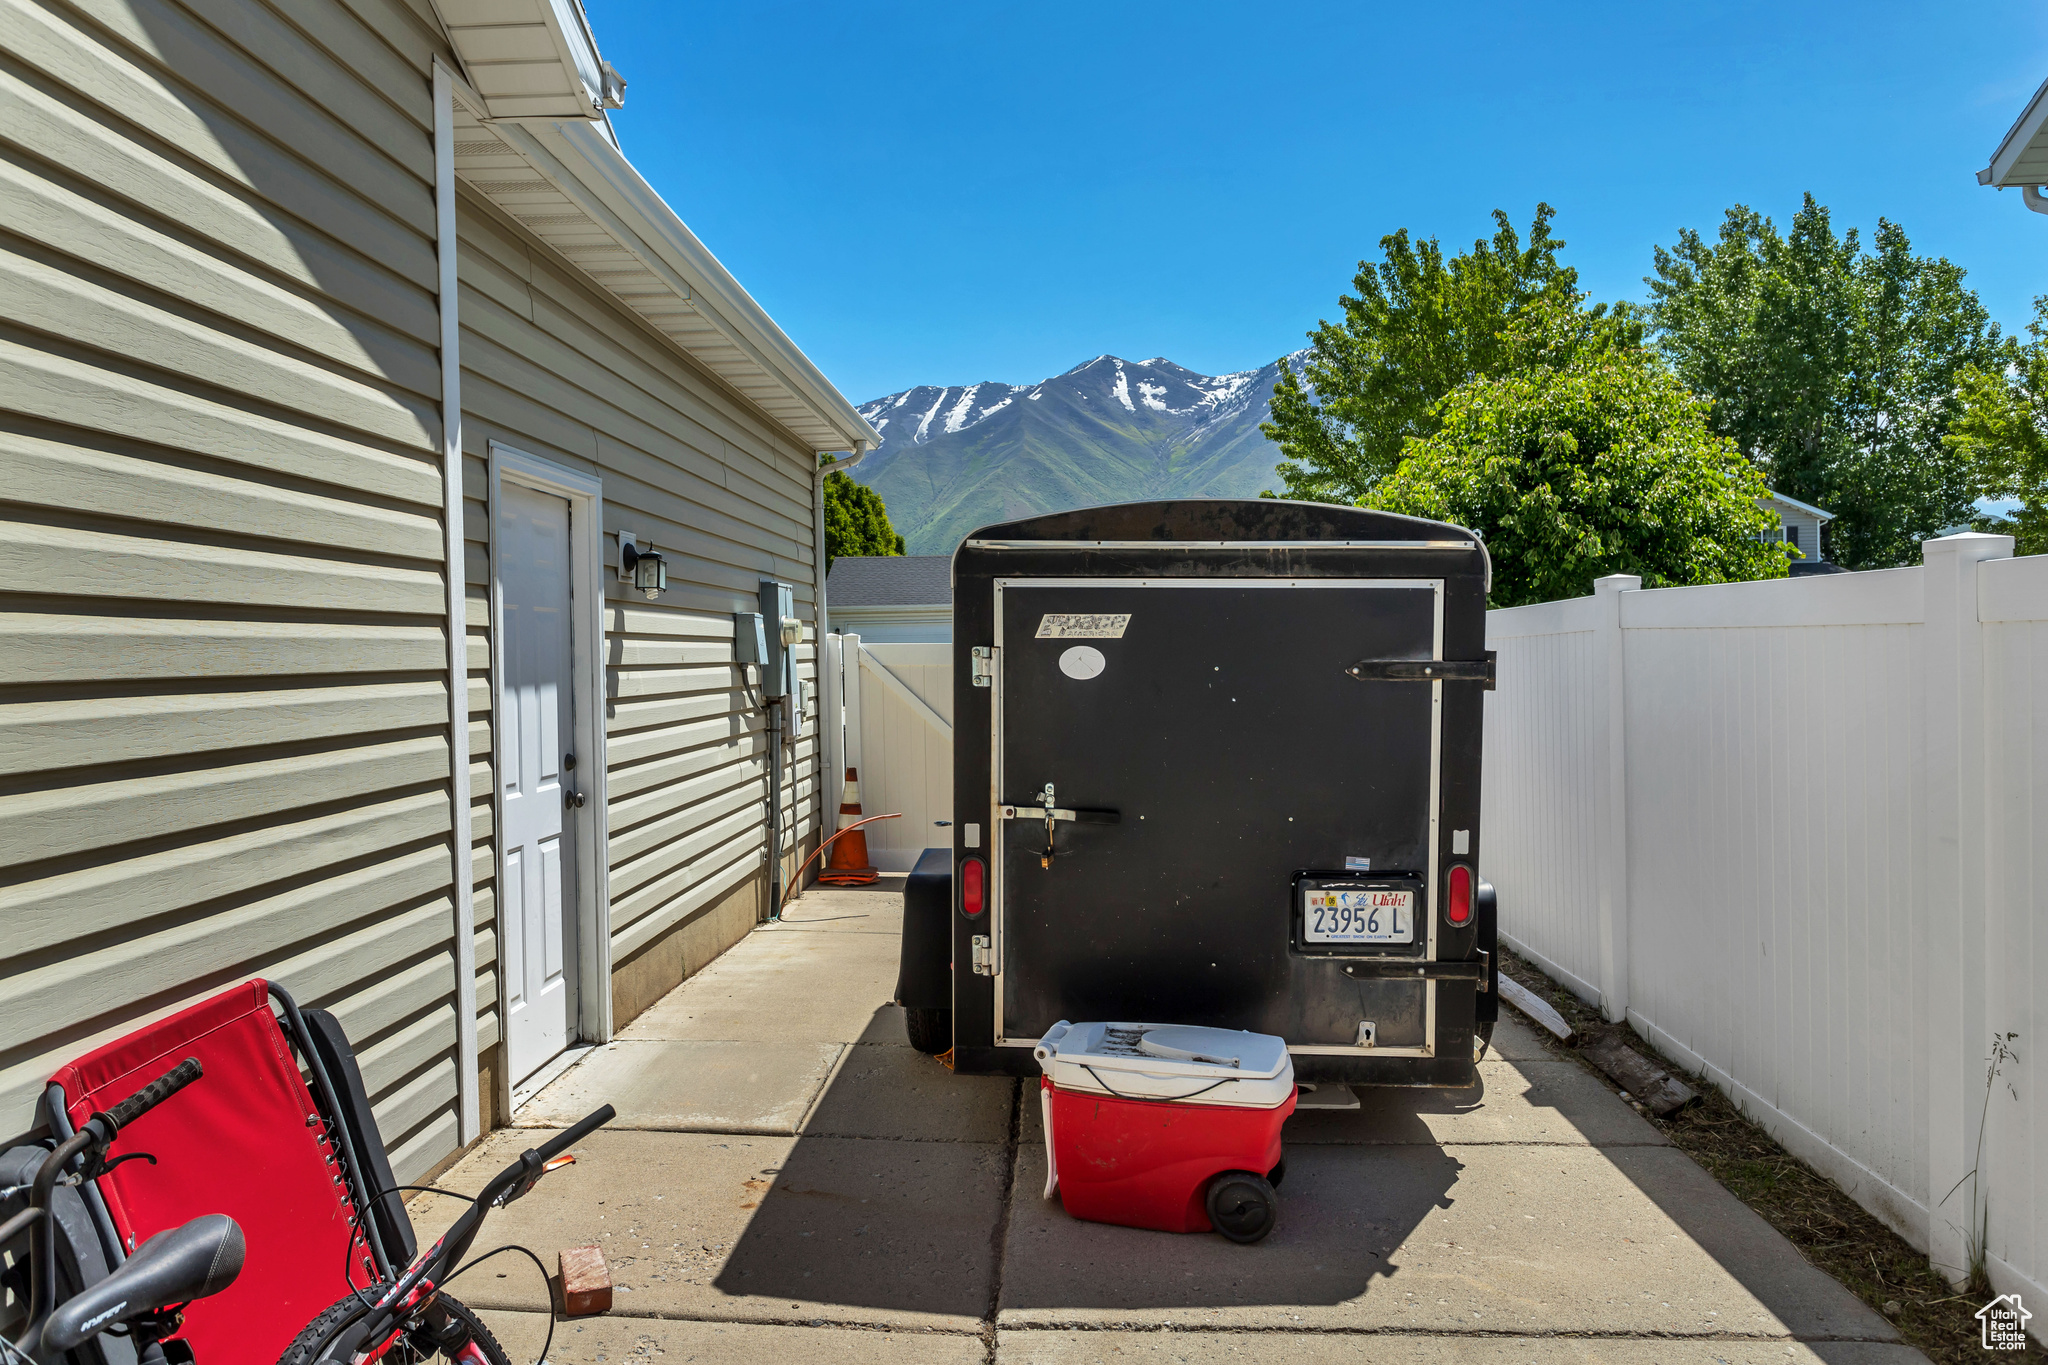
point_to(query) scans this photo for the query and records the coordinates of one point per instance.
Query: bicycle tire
(306, 1348)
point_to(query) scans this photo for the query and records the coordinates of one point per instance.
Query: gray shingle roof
(890, 581)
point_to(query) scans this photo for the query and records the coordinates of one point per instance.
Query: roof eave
(602, 168)
(2028, 133)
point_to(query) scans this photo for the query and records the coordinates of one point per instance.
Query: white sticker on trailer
(1060, 625)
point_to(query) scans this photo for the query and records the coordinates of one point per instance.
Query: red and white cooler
(1167, 1126)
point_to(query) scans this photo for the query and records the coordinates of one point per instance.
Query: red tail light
(973, 885)
(1458, 910)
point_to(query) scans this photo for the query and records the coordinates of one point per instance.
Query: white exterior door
(537, 891)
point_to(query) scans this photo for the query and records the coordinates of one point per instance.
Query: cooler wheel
(1242, 1206)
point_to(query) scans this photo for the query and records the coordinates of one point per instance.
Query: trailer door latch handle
(1046, 808)
(1426, 670)
(983, 966)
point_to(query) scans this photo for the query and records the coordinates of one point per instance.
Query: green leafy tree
(1835, 369)
(2003, 432)
(1586, 457)
(1416, 327)
(856, 521)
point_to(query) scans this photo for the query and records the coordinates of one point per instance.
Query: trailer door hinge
(983, 960)
(983, 667)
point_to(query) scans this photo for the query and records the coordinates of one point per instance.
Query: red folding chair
(295, 1165)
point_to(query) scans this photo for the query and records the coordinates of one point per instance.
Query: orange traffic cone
(849, 865)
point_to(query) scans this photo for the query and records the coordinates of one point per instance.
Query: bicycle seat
(190, 1262)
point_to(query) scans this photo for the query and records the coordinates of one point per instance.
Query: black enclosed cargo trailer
(1214, 762)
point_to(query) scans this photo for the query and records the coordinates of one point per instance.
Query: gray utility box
(1217, 762)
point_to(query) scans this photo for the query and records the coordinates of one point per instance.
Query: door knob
(575, 799)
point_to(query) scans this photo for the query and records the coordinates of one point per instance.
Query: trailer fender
(1486, 909)
(924, 978)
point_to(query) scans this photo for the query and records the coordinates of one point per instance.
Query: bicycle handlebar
(153, 1094)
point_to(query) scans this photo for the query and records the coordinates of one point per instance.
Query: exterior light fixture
(642, 566)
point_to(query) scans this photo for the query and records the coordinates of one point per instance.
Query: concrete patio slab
(1515, 1039)
(779, 987)
(1543, 1102)
(895, 1092)
(1526, 1102)
(1455, 1239)
(615, 1339)
(1390, 1348)
(838, 1230)
(690, 1086)
(876, 909)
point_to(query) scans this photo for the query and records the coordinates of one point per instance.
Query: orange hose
(798, 879)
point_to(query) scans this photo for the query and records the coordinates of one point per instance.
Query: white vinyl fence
(897, 731)
(1796, 833)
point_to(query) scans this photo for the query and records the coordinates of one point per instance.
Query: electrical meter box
(778, 604)
(1217, 762)
(749, 641)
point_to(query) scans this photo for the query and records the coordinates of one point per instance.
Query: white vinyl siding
(224, 749)
(551, 368)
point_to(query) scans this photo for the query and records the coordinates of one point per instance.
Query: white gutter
(598, 175)
(461, 833)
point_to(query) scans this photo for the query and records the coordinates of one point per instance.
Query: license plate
(1333, 915)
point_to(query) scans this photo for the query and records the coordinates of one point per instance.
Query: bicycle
(410, 1318)
(146, 1293)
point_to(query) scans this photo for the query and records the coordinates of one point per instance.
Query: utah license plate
(1336, 915)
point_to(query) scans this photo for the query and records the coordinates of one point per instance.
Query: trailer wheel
(931, 1031)
(1482, 1039)
(1242, 1206)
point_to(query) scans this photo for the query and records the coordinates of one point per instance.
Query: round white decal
(1082, 662)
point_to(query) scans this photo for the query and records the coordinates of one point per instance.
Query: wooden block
(1529, 1003)
(586, 1282)
(1660, 1091)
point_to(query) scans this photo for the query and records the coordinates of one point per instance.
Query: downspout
(2036, 200)
(461, 834)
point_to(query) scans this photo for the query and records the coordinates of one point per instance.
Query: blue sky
(960, 192)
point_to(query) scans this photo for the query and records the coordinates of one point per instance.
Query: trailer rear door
(1212, 744)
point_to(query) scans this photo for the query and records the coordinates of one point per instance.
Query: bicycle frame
(405, 1304)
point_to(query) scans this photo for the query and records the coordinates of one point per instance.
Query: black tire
(1277, 1174)
(310, 1344)
(931, 1031)
(1242, 1206)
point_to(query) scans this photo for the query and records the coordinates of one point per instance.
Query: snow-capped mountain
(1108, 430)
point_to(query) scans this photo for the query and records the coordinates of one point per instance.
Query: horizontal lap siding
(552, 369)
(224, 750)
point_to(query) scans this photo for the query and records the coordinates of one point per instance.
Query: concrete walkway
(788, 1180)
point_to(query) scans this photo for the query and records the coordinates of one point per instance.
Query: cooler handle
(1050, 1043)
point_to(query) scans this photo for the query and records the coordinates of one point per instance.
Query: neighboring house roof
(531, 137)
(2022, 159)
(890, 581)
(1796, 505)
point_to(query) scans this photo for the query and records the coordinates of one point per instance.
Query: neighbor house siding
(224, 749)
(552, 369)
